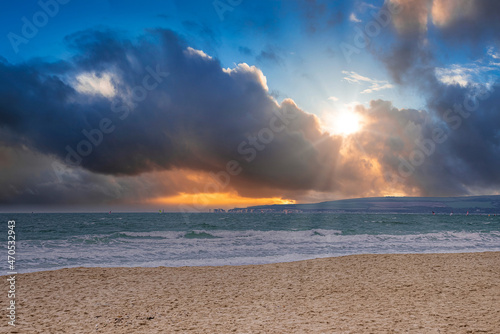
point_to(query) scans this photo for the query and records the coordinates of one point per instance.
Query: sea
(48, 241)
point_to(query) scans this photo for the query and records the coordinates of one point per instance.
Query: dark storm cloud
(27, 177)
(408, 53)
(472, 115)
(467, 158)
(166, 110)
(198, 116)
(406, 60)
(444, 151)
(471, 21)
(455, 23)
(32, 178)
(402, 143)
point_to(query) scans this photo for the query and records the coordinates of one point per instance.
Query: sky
(194, 105)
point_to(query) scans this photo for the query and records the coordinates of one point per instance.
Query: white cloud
(193, 52)
(495, 56)
(252, 70)
(333, 98)
(374, 85)
(93, 84)
(492, 53)
(472, 73)
(353, 18)
(353, 77)
(454, 75)
(368, 5)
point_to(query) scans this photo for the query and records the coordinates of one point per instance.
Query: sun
(343, 122)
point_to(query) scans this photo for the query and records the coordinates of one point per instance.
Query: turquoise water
(53, 241)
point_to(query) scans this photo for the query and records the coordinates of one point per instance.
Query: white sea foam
(230, 247)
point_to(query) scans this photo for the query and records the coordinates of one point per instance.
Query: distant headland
(437, 205)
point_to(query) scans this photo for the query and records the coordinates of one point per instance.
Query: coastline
(420, 293)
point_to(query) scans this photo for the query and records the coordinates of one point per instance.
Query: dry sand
(431, 293)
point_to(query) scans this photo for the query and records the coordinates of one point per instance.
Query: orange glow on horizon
(217, 200)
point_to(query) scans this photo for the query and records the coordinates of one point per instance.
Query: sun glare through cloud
(342, 122)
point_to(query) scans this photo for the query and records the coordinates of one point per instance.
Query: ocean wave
(199, 235)
(202, 247)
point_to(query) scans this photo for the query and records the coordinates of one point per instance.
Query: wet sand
(421, 293)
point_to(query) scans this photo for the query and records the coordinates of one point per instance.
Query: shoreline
(421, 293)
(246, 264)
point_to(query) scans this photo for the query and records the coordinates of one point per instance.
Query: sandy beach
(424, 293)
